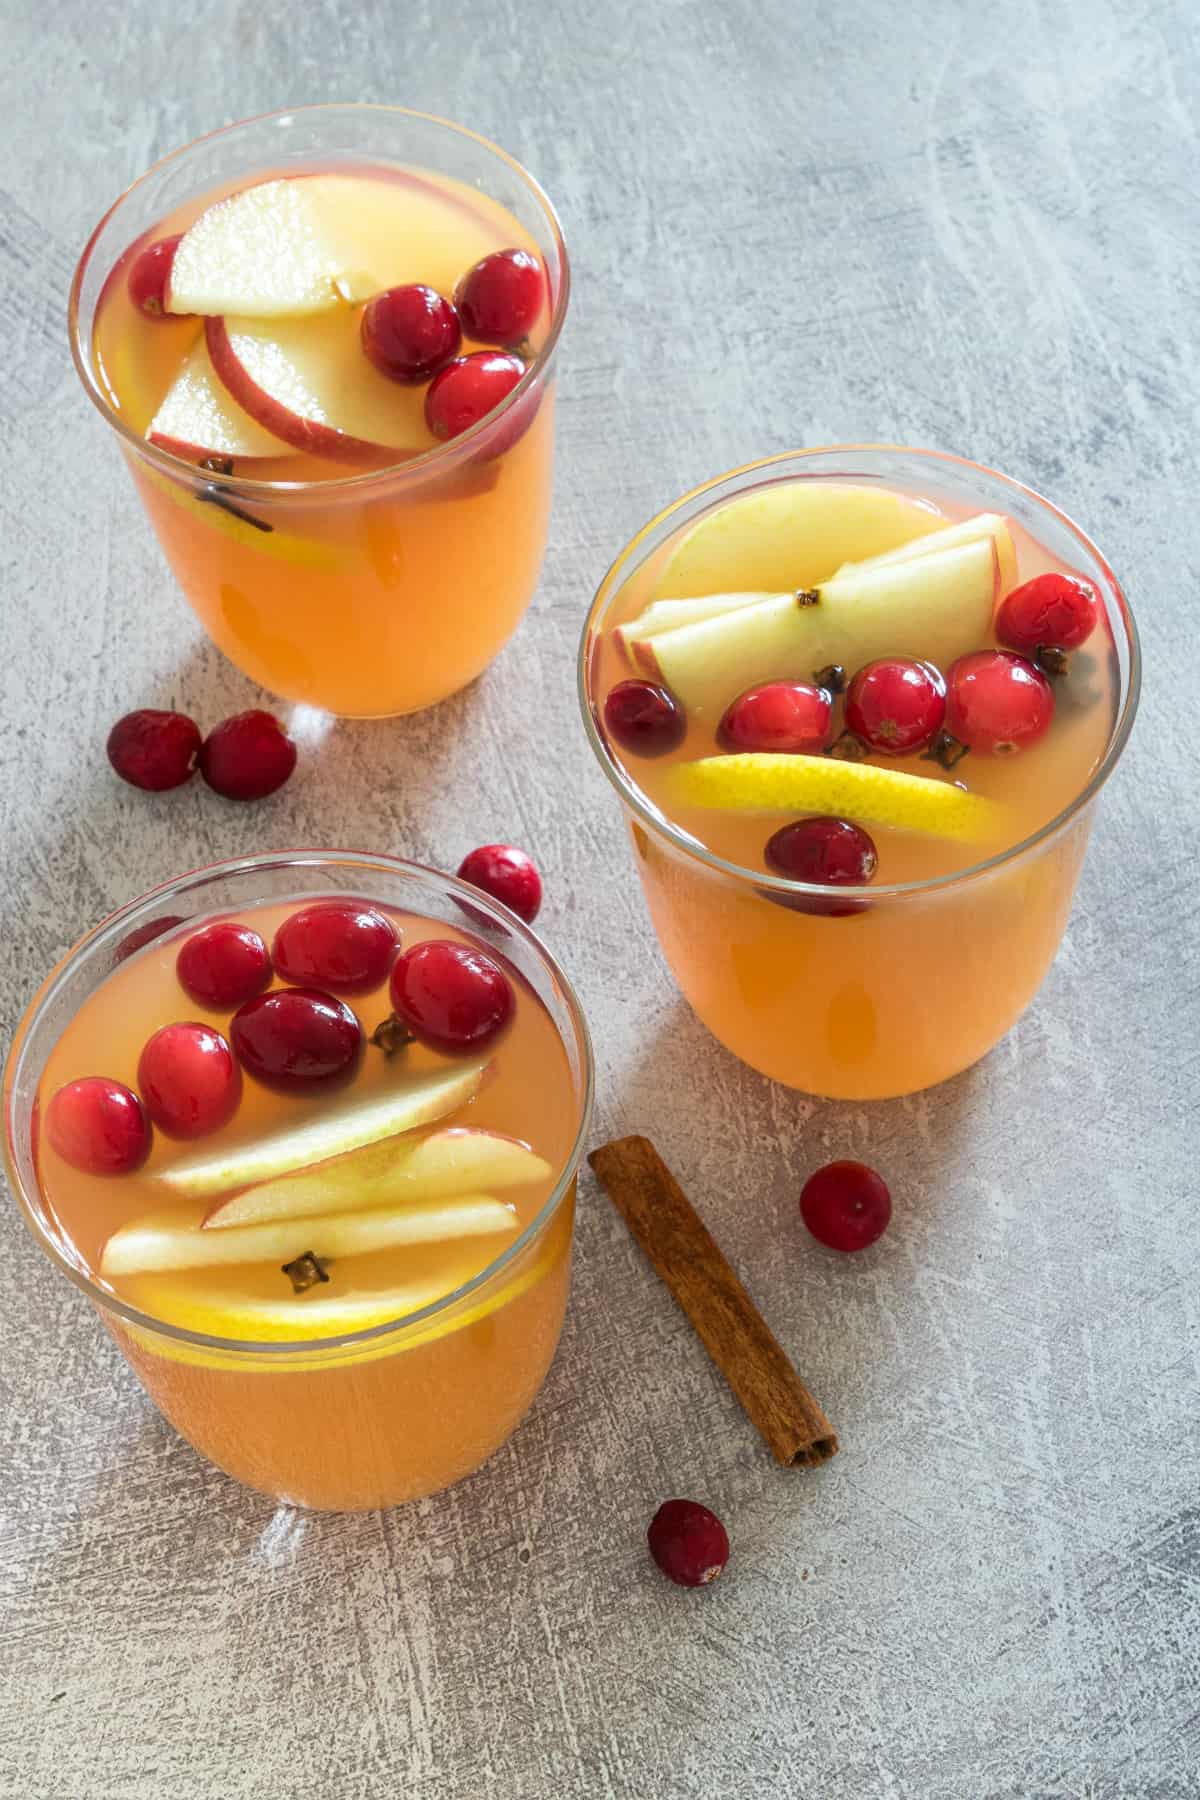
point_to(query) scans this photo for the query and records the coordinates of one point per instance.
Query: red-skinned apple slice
(934, 608)
(173, 1240)
(417, 1101)
(948, 537)
(405, 1170)
(199, 417)
(308, 382)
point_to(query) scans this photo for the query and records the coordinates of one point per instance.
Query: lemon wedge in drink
(758, 782)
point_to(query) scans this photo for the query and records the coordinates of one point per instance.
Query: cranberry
(223, 965)
(189, 1081)
(99, 1126)
(644, 718)
(997, 702)
(450, 996)
(896, 706)
(1050, 609)
(338, 944)
(248, 756)
(689, 1543)
(508, 875)
(410, 333)
(467, 390)
(154, 750)
(788, 717)
(297, 1040)
(499, 300)
(148, 277)
(141, 935)
(828, 852)
(846, 1206)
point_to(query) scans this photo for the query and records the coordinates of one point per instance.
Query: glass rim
(679, 840)
(414, 468)
(101, 936)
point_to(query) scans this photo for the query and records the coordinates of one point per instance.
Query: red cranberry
(297, 1040)
(644, 718)
(99, 1126)
(499, 300)
(450, 996)
(895, 706)
(788, 717)
(846, 1206)
(154, 750)
(189, 1081)
(248, 756)
(410, 333)
(337, 944)
(828, 852)
(508, 875)
(223, 965)
(1051, 609)
(689, 1543)
(148, 276)
(467, 390)
(997, 702)
(145, 934)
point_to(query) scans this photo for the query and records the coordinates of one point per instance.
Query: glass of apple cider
(324, 340)
(858, 705)
(305, 1130)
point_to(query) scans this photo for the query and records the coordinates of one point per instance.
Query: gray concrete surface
(966, 226)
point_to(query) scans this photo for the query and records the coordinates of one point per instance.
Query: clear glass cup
(851, 1008)
(370, 1418)
(378, 592)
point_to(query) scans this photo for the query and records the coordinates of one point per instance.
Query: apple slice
(199, 417)
(946, 537)
(935, 607)
(459, 1160)
(789, 533)
(417, 1101)
(666, 615)
(755, 782)
(308, 382)
(172, 1240)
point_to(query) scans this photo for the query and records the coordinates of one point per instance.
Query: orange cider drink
(305, 1130)
(857, 705)
(324, 340)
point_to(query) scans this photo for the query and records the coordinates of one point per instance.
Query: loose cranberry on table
(99, 1126)
(409, 333)
(188, 1079)
(297, 1040)
(644, 718)
(451, 997)
(499, 300)
(153, 749)
(248, 756)
(689, 1543)
(896, 706)
(508, 875)
(148, 276)
(468, 389)
(787, 717)
(846, 1205)
(998, 703)
(223, 965)
(1052, 609)
(335, 944)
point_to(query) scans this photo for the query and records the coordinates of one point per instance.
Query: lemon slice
(762, 783)
(220, 1311)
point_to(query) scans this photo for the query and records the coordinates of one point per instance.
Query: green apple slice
(946, 537)
(416, 1101)
(789, 534)
(173, 1241)
(935, 607)
(763, 782)
(666, 615)
(458, 1160)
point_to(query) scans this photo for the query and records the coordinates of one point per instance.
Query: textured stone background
(960, 225)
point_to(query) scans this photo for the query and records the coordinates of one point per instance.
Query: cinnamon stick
(734, 1332)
